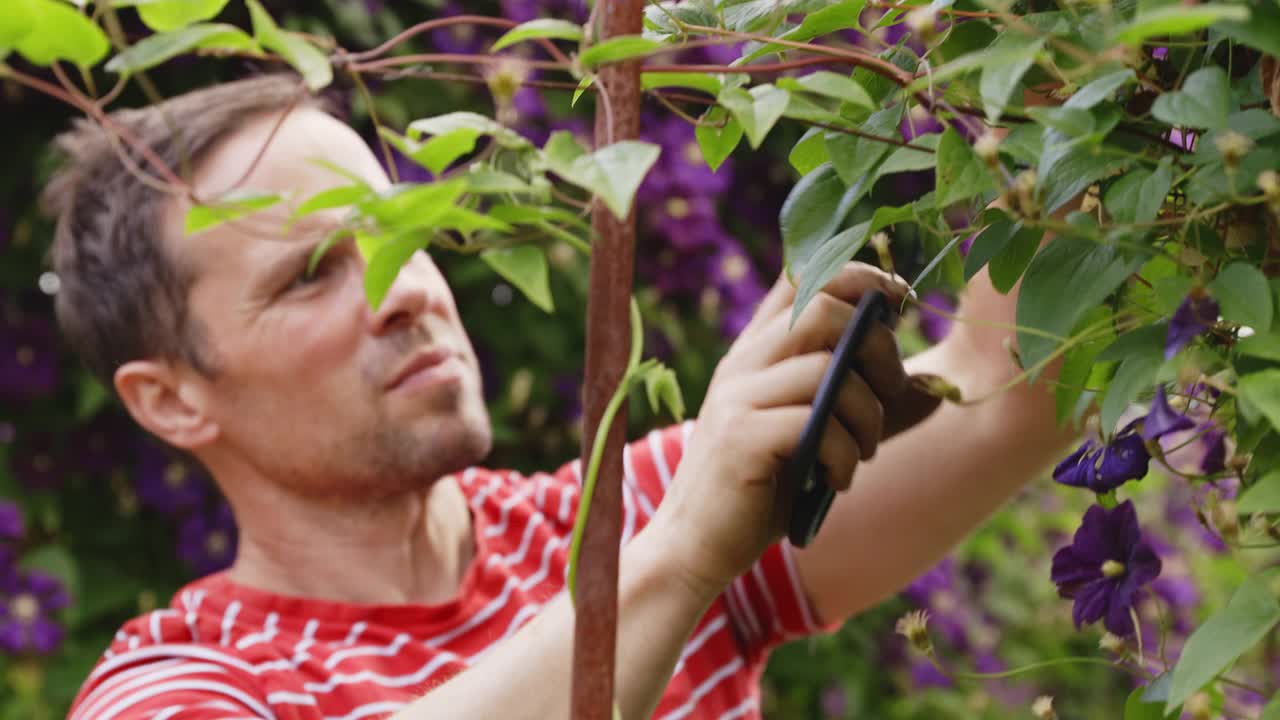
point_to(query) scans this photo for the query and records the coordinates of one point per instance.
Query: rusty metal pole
(608, 346)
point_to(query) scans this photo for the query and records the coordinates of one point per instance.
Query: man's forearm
(528, 676)
(930, 487)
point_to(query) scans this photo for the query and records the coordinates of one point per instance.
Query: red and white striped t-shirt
(223, 650)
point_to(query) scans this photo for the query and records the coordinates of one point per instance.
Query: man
(379, 572)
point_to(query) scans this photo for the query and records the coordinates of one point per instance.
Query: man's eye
(304, 278)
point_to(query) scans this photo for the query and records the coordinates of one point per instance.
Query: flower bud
(987, 148)
(914, 626)
(1269, 183)
(1113, 644)
(1042, 708)
(1238, 462)
(923, 23)
(1198, 707)
(1227, 519)
(1233, 146)
(505, 79)
(880, 241)
(1023, 200)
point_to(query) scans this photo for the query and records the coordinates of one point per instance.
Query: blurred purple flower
(739, 286)
(28, 355)
(835, 701)
(680, 170)
(1160, 53)
(526, 10)
(1214, 441)
(1196, 314)
(1162, 419)
(463, 38)
(207, 540)
(1104, 568)
(36, 463)
(924, 675)
(168, 483)
(1184, 139)
(919, 122)
(26, 602)
(12, 525)
(1107, 467)
(101, 445)
(568, 388)
(936, 579)
(933, 326)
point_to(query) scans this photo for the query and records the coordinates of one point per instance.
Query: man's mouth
(425, 366)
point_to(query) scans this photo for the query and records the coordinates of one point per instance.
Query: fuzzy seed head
(914, 626)
(1233, 147)
(1042, 708)
(1113, 644)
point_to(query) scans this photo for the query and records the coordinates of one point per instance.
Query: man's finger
(880, 363)
(854, 279)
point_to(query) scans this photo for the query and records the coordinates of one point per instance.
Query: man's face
(312, 389)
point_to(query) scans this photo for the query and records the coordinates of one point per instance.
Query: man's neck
(414, 548)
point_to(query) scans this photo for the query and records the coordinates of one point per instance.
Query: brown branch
(429, 25)
(456, 58)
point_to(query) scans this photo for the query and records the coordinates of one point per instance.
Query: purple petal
(1070, 571)
(12, 637)
(1118, 620)
(1143, 565)
(1196, 313)
(1077, 469)
(1215, 450)
(1124, 458)
(12, 526)
(1163, 419)
(1091, 603)
(44, 635)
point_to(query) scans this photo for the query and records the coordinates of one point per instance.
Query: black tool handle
(803, 475)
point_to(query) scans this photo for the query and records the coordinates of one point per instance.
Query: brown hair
(122, 294)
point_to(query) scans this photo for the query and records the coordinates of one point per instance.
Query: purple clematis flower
(12, 526)
(207, 540)
(1214, 441)
(37, 463)
(26, 602)
(462, 39)
(1103, 468)
(1104, 568)
(28, 355)
(1195, 315)
(1162, 419)
(933, 326)
(168, 483)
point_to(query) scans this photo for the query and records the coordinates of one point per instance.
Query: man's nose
(405, 302)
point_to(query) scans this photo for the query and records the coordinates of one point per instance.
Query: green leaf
(18, 19)
(909, 159)
(1272, 710)
(1231, 632)
(833, 85)
(1079, 364)
(468, 221)
(58, 561)
(613, 173)
(1077, 165)
(809, 152)
(340, 196)
(155, 49)
(1177, 20)
(757, 110)
(587, 81)
(450, 122)
(1140, 354)
(1137, 196)
(1203, 102)
(170, 15)
(524, 266)
(1007, 267)
(60, 33)
(1100, 89)
(1136, 709)
(437, 153)
(1262, 390)
(825, 263)
(663, 389)
(856, 157)
(717, 143)
(485, 180)
(989, 243)
(1263, 496)
(1073, 122)
(1001, 78)
(385, 264)
(709, 84)
(1244, 296)
(302, 55)
(961, 173)
(539, 28)
(749, 15)
(232, 207)
(623, 166)
(1261, 346)
(1066, 279)
(623, 47)
(410, 206)
(840, 16)
(814, 208)
(1262, 30)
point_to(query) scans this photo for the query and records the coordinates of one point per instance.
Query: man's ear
(167, 402)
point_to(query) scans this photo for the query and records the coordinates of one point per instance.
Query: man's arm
(925, 490)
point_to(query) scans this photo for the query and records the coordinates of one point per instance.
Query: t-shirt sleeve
(147, 685)
(767, 604)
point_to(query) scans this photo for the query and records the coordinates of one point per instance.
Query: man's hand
(724, 507)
